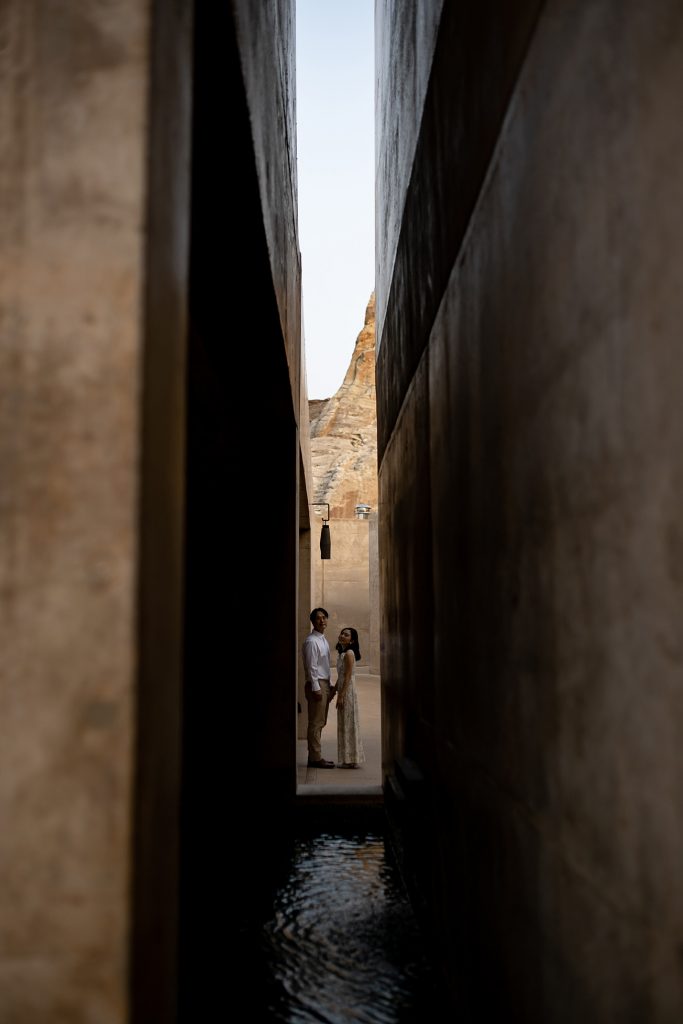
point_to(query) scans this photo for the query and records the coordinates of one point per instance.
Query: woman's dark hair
(354, 641)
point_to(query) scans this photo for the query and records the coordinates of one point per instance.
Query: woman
(349, 745)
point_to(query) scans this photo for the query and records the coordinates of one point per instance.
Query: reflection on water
(341, 942)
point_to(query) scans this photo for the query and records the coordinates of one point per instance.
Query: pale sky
(335, 143)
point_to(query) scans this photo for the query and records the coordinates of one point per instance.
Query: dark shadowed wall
(243, 472)
(530, 424)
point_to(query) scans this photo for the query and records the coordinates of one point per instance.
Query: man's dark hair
(315, 612)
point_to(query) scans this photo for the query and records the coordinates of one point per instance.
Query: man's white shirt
(316, 655)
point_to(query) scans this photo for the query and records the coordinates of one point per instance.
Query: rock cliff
(344, 432)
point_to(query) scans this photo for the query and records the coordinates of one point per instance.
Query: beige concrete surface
(341, 781)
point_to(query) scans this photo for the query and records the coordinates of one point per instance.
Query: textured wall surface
(409, 32)
(530, 486)
(147, 147)
(74, 91)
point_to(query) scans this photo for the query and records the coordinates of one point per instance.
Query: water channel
(337, 940)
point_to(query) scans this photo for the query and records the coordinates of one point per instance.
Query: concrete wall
(531, 474)
(94, 267)
(149, 267)
(374, 638)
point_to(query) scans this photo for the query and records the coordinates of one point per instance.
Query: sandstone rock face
(344, 432)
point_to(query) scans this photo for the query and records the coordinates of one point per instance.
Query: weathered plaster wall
(89, 306)
(530, 492)
(122, 454)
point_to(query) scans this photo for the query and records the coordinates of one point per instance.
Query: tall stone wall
(146, 146)
(530, 431)
(93, 278)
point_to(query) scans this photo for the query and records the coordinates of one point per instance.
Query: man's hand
(317, 695)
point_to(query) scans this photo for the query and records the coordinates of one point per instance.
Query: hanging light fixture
(325, 538)
(325, 542)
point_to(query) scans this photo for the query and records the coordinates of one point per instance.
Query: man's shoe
(321, 764)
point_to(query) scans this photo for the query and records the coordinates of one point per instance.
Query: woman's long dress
(349, 743)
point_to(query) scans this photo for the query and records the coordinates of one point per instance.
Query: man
(316, 655)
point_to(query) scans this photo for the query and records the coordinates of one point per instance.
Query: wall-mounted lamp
(363, 511)
(325, 539)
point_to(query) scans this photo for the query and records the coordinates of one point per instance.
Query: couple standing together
(319, 692)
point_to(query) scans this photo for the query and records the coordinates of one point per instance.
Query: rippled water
(341, 943)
